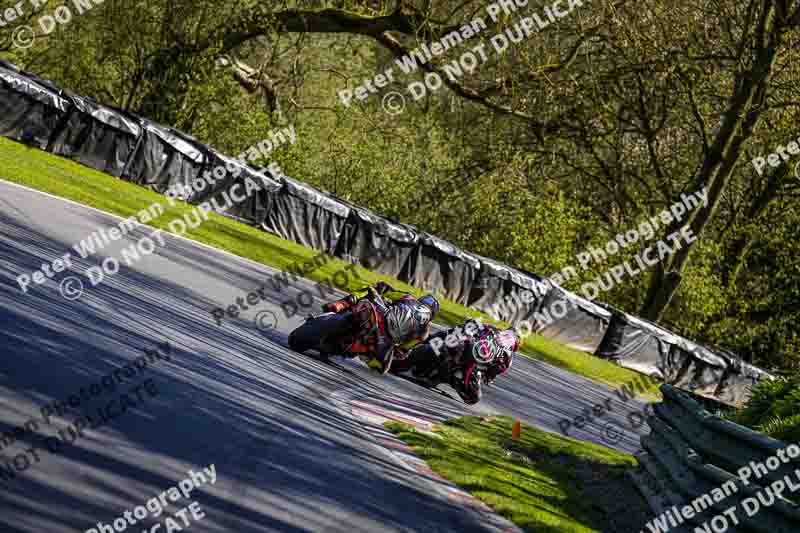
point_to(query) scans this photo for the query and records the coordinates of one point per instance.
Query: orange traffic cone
(515, 433)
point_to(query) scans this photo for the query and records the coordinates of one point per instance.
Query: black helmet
(431, 301)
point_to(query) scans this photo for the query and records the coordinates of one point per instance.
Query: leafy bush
(774, 409)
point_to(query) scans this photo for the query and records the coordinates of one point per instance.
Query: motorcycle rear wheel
(313, 333)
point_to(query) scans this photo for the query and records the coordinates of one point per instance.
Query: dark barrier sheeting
(488, 291)
(569, 319)
(722, 376)
(442, 267)
(702, 370)
(379, 244)
(525, 294)
(307, 216)
(647, 348)
(505, 293)
(37, 112)
(231, 192)
(644, 347)
(97, 136)
(31, 110)
(165, 158)
(737, 384)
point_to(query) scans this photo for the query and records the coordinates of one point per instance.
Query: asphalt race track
(296, 443)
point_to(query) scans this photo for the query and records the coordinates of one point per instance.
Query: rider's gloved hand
(339, 305)
(383, 287)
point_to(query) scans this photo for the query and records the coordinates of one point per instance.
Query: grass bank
(544, 483)
(61, 177)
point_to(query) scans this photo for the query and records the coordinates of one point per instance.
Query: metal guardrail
(692, 461)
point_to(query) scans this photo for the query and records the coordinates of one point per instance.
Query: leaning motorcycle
(466, 365)
(339, 333)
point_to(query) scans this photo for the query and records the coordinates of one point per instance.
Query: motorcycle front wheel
(473, 393)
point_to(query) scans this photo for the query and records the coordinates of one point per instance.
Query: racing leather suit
(370, 342)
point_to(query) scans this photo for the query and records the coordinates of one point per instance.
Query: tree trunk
(720, 161)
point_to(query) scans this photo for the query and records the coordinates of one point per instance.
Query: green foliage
(36, 169)
(630, 126)
(774, 409)
(228, 122)
(786, 429)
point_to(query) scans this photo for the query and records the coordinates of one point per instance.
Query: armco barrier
(38, 113)
(691, 459)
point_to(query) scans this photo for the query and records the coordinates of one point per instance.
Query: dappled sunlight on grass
(542, 482)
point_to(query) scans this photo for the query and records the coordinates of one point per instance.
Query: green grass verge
(543, 482)
(67, 179)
